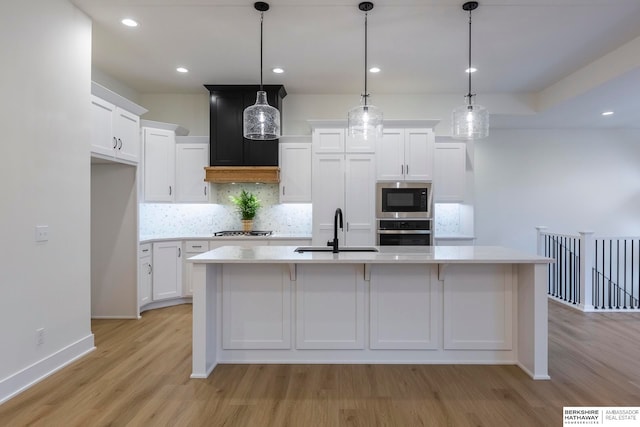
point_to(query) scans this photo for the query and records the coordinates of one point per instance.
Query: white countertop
(386, 255)
(274, 236)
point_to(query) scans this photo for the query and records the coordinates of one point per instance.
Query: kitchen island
(426, 304)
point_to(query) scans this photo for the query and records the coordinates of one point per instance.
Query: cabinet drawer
(144, 250)
(196, 246)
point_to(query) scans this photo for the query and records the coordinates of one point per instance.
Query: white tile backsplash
(447, 217)
(204, 219)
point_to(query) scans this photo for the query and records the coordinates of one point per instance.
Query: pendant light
(365, 120)
(261, 121)
(470, 121)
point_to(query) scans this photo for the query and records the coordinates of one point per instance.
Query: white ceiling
(569, 57)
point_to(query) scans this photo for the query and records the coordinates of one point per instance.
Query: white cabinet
(345, 181)
(256, 301)
(295, 172)
(191, 248)
(330, 306)
(449, 171)
(115, 132)
(191, 159)
(405, 155)
(337, 140)
(167, 270)
(159, 165)
(404, 314)
(145, 271)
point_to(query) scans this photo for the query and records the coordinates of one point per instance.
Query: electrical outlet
(40, 336)
(42, 233)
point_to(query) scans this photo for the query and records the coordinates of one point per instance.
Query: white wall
(568, 180)
(45, 46)
(188, 110)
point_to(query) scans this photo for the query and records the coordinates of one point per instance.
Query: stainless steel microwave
(403, 199)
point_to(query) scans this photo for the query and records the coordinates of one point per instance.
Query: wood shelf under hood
(229, 174)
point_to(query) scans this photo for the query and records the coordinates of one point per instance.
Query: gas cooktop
(228, 233)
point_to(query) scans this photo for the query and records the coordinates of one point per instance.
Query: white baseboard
(22, 380)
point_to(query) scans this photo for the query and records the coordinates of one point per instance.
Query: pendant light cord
(366, 94)
(261, 20)
(469, 95)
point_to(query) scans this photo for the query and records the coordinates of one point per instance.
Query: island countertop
(385, 255)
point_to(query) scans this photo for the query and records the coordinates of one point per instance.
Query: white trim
(29, 376)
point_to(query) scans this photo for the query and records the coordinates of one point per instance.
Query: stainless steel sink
(330, 249)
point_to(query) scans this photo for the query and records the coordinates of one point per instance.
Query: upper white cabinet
(159, 164)
(295, 172)
(115, 126)
(346, 181)
(405, 154)
(331, 136)
(450, 171)
(192, 156)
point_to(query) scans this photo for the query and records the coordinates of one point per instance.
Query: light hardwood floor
(139, 376)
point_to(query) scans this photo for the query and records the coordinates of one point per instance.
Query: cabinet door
(144, 280)
(360, 145)
(390, 156)
(295, 172)
(327, 194)
(359, 212)
(102, 139)
(226, 128)
(126, 130)
(418, 154)
(191, 159)
(167, 270)
(328, 140)
(449, 171)
(159, 165)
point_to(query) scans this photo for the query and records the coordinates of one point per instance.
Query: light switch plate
(42, 233)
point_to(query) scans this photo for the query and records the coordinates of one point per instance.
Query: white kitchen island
(426, 305)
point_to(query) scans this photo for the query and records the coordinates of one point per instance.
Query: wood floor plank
(139, 376)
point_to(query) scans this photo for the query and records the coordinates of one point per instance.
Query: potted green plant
(247, 205)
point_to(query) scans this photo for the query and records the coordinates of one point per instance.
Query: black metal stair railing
(564, 274)
(616, 274)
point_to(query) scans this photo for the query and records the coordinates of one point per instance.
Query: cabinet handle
(115, 142)
(283, 190)
(120, 141)
(196, 246)
(150, 269)
(205, 190)
(145, 250)
(407, 169)
(347, 227)
(169, 190)
(401, 169)
(179, 252)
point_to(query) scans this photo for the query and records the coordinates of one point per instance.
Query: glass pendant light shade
(365, 121)
(470, 121)
(261, 121)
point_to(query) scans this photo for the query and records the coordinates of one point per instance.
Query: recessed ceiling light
(278, 70)
(182, 70)
(374, 69)
(129, 22)
(471, 70)
(607, 113)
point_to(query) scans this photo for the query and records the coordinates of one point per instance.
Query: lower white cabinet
(167, 270)
(405, 314)
(191, 248)
(256, 301)
(330, 306)
(145, 271)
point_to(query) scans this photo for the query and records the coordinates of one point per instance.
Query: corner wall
(45, 47)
